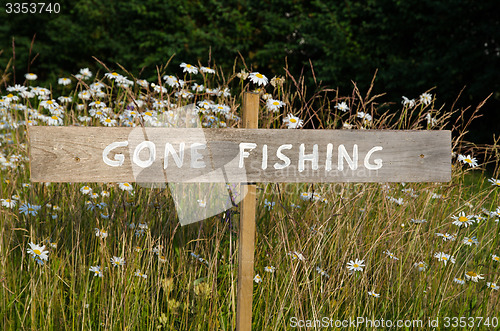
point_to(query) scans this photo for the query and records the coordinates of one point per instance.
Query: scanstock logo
(195, 199)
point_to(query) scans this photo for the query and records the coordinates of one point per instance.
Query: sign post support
(246, 244)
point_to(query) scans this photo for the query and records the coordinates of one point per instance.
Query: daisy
(101, 233)
(444, 257)
(163, 258)
(293, 122)
(117, 261)
(258, 78)
(86, 73)
(364, 116)
(269, 269)
(189, 68)
(257, 279)
(242, 74)
(495, 258)
(125, 187)
(471, 275)
(322, 272)
(306, 196)
(425, 98)
(269, 204)
(9, 203)
(447, 236)
(432, 121)
(112, 75)
(459, 281)
(463, 220)
(108, 121)
(356, 265)
(30, 76)
(29, 209)
(471, 161)
(274, 105)
(64, 81)
(469, 241)
(493, 286)
(420, 265)
(391, 255)
(373, 294)
(86, 190)
(408, 102)
(138, 273)
(207, 70)
(495, 182)
(55, 120)
(342, 106)
(296, 255)
(38, 252)
(277, 81)
(96, 270)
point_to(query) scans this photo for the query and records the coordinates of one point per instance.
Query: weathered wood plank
(75, 154)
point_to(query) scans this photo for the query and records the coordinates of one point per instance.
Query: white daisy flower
(269, 269)
(425, 98)
(443, 257)
(471, 161)
(493, 286)
(96, 270)
(342, 106)
(207, 70)
(30, 76)
(463, 220)
(38, 252)
(258, 78)
(257, 279)
(473, 276)
(64, 81)
(189, 68)
(293, 122)
(125, 187)
(495, 182)
(117, 261)
(274, 105)
(373, 294)
(356, 265)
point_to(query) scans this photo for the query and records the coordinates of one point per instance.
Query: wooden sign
(97, 154)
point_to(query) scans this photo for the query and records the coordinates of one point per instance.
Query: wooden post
(247, 229)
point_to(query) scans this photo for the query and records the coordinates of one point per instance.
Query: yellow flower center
(37, 251)
(468, 160)
(9, 95)
(496, 258)
(50, 102)
(114, 74)
(259, 76)
(276, 103)
(444, 258)
(471, 274)
(463, 219)
(293, 120)
(355, 265)
(188, 65)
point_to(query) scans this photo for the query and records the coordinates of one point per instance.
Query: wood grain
(74, 154)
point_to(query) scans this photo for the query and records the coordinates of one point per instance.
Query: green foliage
(415, 44)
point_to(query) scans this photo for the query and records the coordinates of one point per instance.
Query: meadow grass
(185, 278)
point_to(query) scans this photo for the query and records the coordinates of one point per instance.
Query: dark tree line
(414, 44)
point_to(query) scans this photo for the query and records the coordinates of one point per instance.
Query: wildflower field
(87, 256)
